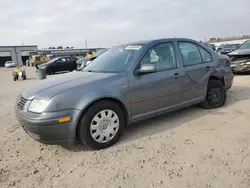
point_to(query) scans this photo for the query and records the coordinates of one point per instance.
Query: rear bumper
(48, 130)
(228, 78)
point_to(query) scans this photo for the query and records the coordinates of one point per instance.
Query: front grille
(22, 101)
(240, 58)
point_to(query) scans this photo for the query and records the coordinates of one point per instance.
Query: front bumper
(45, 127)
(238, 68)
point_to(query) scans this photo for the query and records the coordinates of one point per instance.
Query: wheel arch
(107, 98)
(217, 77)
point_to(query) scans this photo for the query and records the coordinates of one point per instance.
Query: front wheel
(216, 95)
(101, 125)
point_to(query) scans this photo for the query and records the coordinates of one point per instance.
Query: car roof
(157, 40)
(65, 56)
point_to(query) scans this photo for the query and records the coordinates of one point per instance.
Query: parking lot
(193, 148)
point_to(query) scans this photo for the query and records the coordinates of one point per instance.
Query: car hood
(240, 52)
(227, 49)
(58, 84)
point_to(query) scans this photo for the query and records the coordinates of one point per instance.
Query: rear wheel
(216, 95)
(51, 72)
(101, 125)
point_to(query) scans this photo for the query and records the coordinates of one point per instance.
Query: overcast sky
(106, 22)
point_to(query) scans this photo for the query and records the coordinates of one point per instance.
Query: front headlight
(38, 106)
(247, 63)
(242, 64)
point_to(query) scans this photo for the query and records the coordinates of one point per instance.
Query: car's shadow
(30, 78)
(172, 120)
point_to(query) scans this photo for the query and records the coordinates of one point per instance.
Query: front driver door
(154, 92)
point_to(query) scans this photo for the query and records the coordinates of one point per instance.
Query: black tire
(50, 72)
(216, 95)
(83, 129)
(15, 78)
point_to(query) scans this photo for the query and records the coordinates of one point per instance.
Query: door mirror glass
(147, 68)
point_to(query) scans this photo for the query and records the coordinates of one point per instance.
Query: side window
(162, 56)
(68, 59)
(190, 53)
(206, 56)
(72, 59)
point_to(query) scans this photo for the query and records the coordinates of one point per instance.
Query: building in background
(17, 54)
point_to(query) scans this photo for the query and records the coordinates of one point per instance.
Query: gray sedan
(127, 83)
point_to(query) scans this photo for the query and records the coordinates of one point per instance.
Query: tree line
(60, 47)
(218, 39)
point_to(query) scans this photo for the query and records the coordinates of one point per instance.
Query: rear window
(206, 56)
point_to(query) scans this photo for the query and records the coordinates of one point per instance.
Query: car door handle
(175, 76)
(207, 68)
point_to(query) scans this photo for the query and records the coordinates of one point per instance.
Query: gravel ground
(190, 148)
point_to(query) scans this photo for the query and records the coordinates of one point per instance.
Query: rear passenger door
(68, 64)
(72, 63)
(198, 63)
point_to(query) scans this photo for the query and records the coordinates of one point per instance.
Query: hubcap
(214, 96)
(104, 126)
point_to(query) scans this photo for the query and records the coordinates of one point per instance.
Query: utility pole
(86, 43)
(22, 40)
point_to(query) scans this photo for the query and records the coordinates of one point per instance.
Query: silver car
(127, 83)
(9, 64)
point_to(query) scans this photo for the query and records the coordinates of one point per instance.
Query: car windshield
(117, 59)
(99, 52)
(231, 46)
(51, 61)
(221, 46)
(245, 45)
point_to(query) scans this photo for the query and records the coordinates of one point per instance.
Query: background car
(59, 64)
(220, 47)
(83, 62)
(9, 64)
(240, 58)
(229, 48)
(213, 47)
(210, 45)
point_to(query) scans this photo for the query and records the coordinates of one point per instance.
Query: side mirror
(147, 68)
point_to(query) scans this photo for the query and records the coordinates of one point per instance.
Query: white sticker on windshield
(133, 48)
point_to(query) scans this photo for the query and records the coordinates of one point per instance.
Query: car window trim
(175, 54)
(197, 46)
(207, 52)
